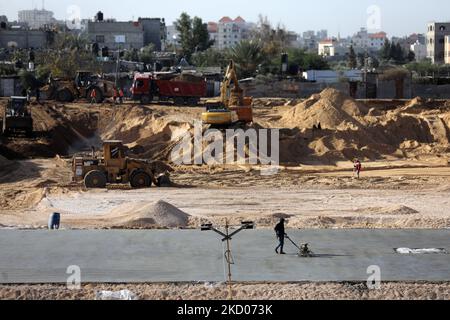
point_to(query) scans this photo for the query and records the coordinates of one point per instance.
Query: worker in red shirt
(93, 96)
(357, 168)
(121, 95)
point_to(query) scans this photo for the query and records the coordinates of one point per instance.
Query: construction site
(131, 174)
(404, 184)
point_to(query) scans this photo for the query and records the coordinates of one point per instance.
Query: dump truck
(113, 167)
(182, 89)
(232, 106)
(67, 90)
(17, 117)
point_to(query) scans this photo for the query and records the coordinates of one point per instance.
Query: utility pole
(227, 237)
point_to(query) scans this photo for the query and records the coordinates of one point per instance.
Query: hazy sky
(397, 17)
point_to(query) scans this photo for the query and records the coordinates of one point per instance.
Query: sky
(397, 18)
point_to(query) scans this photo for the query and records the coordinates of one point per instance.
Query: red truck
(182, 89)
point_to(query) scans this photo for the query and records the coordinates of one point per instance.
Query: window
(115, 153)
(100, 39)
(442, 28)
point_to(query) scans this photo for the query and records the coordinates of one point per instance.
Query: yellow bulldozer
(66, 90)
(114, 167)
(232, 106)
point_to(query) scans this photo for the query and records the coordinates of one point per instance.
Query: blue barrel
(54, 221)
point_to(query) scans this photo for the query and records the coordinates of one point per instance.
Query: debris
(420, 251)
(116, 295)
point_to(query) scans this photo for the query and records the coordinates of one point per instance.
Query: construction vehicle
(113, 167)
(182, 89)
(231, 106)
(64, 90)
(17, 117)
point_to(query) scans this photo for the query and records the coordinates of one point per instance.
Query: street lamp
(227, 237)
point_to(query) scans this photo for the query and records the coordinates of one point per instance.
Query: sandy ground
(254, 291)
(405, 182)
(400, 197)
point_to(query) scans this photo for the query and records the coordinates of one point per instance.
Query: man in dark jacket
(279, 230)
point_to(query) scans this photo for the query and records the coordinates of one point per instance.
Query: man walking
(357, 168)
(121, 95)
(280, 232)
(93, 96)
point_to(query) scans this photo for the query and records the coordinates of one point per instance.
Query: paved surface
(168, 256)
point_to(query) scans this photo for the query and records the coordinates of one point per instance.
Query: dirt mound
(158, 215)
(398, 210)
(331, 109)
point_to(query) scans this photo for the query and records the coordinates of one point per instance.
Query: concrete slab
(171, 256)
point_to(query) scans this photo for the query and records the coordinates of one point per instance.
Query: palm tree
(247, 55)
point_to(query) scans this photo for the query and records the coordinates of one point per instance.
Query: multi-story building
(420, 50)
(331, 48)
(436, 40)
(228, 32)
(447, 50)
(36, 19)
(154, 32)
(369, 41)
(322, 34)
(172, 35)
(112, 34)
(213, 30)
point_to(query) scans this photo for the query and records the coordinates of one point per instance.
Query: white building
(172, 35)
(437, 31)
(447, 50)
(227, 32)
(420, 51)
(330, 76)
(36, 18)
(370, 41)
(331, 48)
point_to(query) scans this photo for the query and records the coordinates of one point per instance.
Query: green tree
(209, 58)
(69, 54)
(146, 55)
(200, 35)
(194, 34)
(301, 60)
(274, 40)
(131, 55)
(352, 63)
(385, 53)
(247, 55)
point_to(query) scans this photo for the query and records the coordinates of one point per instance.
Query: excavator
(232, 106)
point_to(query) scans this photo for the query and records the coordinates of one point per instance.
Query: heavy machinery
(85, 82)
(113, 167)
(231, 106)
(182, 89)
(17, 117)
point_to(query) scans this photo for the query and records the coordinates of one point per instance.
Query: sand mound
(391, 210)
(155, 215)
(331, 109)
